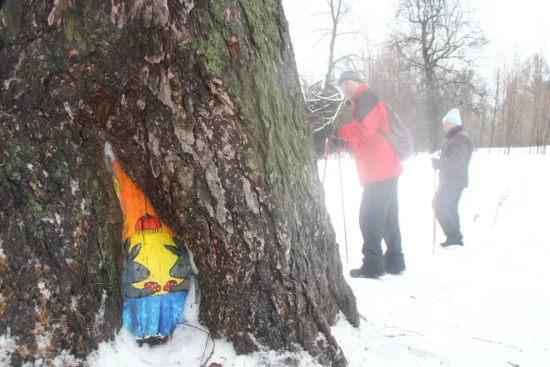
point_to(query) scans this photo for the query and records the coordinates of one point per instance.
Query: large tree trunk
(202, 105)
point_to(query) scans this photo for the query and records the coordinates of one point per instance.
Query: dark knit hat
(350, 75)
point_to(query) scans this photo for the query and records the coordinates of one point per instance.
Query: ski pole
(343, 208)
(331, 121)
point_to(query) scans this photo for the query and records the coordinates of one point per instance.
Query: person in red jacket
(379, 168)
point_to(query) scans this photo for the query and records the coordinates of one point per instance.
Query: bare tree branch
(438, 37)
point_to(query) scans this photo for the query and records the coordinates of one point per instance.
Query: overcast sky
(509, 25)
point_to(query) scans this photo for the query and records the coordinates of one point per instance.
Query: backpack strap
(389, 114)
(382, 132)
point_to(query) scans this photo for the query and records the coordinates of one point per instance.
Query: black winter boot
(451, 242)
(395, 264)
(372, 272)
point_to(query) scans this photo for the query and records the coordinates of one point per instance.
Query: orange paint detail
(234, 47)
(135, 205)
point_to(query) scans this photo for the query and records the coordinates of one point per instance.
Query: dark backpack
(399, 137)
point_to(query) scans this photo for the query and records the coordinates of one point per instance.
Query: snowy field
(486, 304)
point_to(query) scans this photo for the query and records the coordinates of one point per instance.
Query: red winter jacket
(375, 158)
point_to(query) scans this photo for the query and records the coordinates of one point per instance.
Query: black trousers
(446, 211)
(379, 220)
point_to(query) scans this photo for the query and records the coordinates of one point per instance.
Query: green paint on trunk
(60, 7)
(267, 92)
(10, 15)
(69, 28)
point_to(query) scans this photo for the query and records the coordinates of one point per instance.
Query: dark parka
(455, 158)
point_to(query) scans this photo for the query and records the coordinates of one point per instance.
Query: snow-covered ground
(486, 304)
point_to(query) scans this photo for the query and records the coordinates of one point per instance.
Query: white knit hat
(452, 116)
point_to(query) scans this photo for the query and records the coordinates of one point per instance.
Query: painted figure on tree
(157, 272)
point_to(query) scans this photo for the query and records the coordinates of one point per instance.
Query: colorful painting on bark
(157, 271)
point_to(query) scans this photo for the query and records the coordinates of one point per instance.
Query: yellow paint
(153, 255)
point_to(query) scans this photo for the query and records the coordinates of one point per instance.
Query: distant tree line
(427, 66)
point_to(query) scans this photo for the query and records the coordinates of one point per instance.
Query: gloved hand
(436, 163)
(329, 130)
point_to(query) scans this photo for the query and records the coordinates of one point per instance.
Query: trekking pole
(327, 149)
(329, 140)
(343, 208)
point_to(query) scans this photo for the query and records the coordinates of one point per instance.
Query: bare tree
(538, 74)
(437, 37)
(338, 12)
(495, 106)
(323, 98)
(483, 111)
(544, 133)
(546, 116)
(518, 105)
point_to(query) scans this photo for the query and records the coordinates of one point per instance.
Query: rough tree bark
(201, 102)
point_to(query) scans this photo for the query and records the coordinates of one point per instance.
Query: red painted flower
(148, 223)
(168, 286)
(154, 286)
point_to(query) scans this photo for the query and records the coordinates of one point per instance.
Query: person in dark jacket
(379, 168)
(453, 177)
